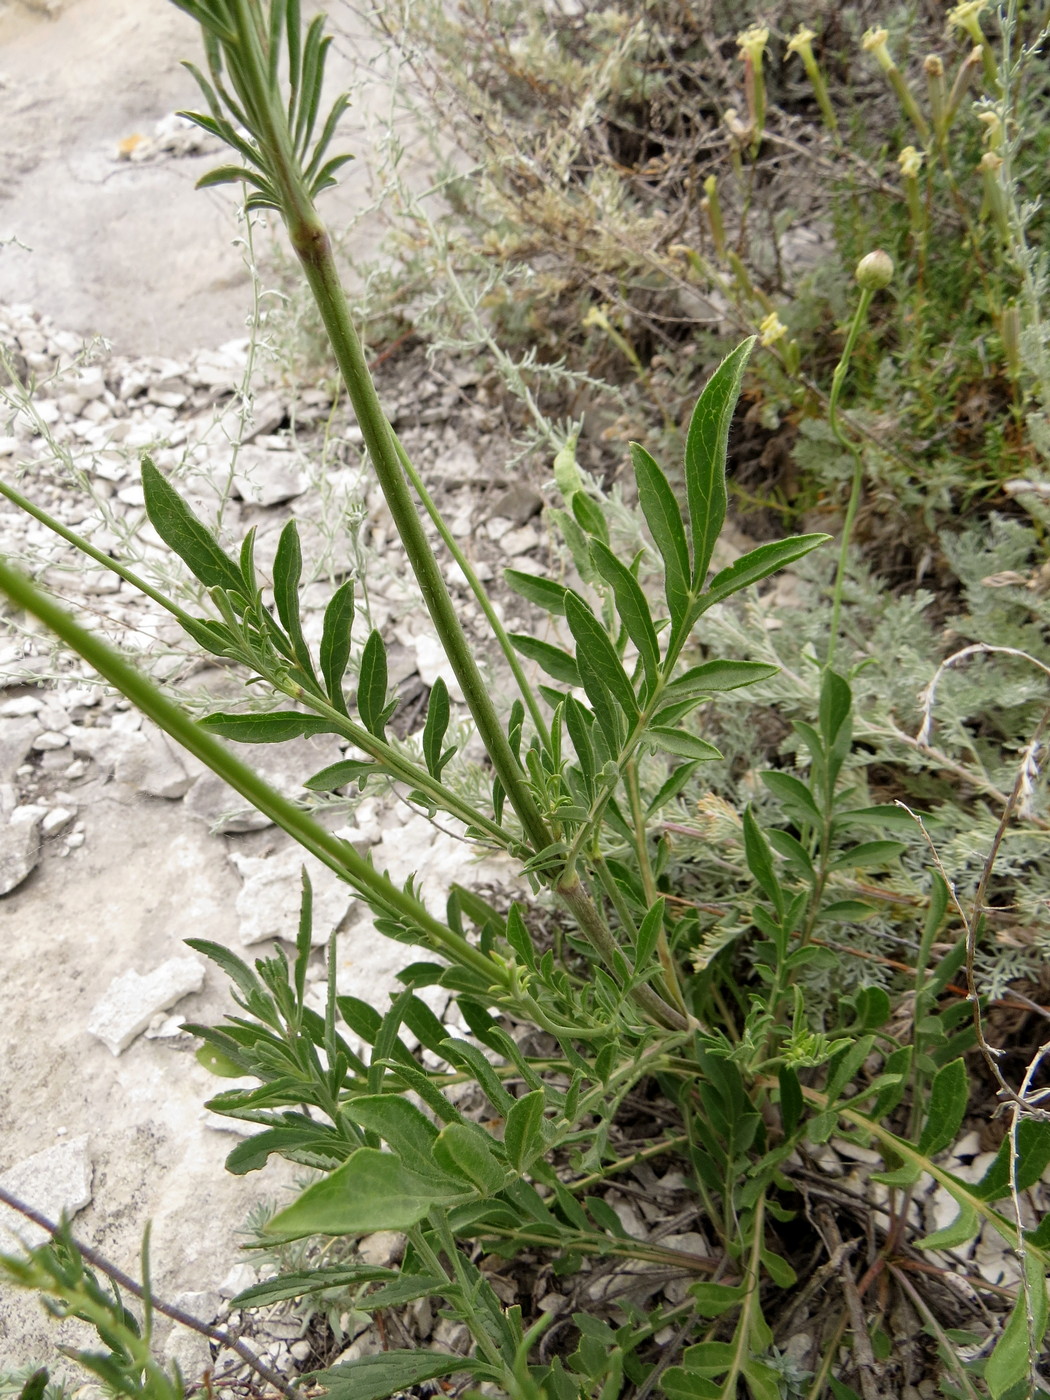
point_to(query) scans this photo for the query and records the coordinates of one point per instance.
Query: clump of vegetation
(778, 891)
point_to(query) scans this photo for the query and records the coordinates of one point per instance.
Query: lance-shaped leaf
(758, 564)
(438, 714)
(392, 1373)
(189, 537)
(596, 656)
(335, 642)
(372, 685)
(705, 457)
(685, 745)
(272, 728)
(1012, 1363)
(631, 607)
(552, 659)
(287, 572)
(337, 775)
(544, 592)
(372, 1190)
(713, 676)
(664, 518)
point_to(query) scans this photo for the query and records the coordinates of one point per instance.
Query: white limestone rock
(270, 898)
(20, 846)
(52, 1181)
(131, 1002)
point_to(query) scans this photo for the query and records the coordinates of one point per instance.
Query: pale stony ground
(107, 855)
(113, 847)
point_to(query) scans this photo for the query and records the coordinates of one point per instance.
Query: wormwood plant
(582, 764)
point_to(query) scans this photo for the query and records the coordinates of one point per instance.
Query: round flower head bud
(875, 271)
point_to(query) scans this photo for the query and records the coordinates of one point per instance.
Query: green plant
(583, 766)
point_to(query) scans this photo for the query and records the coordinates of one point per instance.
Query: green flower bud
(875, 271)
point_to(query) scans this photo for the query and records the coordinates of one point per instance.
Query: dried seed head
(933, 65)
(910, 162)
(875, 271)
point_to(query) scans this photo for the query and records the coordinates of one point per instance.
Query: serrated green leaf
(273, 728)
(335, 642)
(945, 1108)
(705, 456)
(552, 659)
(189, 537)
(372, 1190)
(596, 658)
(664, 518)
(758, 564)
(544, 592)
(372, 685)
(684, 745)
(631, 606)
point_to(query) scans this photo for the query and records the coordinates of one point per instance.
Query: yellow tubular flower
(772, 329)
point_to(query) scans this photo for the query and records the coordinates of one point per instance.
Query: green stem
(837, 381)
(339, 856)
(526, 691)
(313, 247)
(401, 767)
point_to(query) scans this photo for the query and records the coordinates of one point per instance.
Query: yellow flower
(910, 162)
(772, 329)
(753, 41)
(802, 41)
(874, 42)
(968, 16)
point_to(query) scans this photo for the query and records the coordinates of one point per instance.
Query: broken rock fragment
(131, 1002)
(55, 1180)
(19, 846)
(269, 901)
